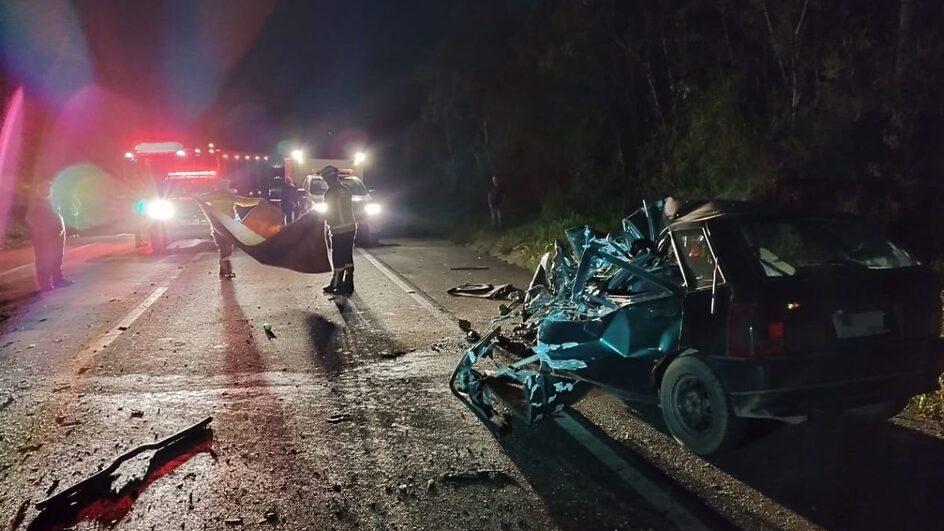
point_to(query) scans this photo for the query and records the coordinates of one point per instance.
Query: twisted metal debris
(597, 306)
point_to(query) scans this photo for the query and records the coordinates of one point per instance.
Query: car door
(706, 290)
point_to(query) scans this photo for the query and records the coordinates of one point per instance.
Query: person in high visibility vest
(342, 227)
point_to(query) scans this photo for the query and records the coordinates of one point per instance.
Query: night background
(833, 103)
(758, 334)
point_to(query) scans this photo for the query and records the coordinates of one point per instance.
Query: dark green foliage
(585, 107)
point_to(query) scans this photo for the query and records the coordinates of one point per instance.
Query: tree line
(588, 106)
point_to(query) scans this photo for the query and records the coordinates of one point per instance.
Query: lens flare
(10, 142)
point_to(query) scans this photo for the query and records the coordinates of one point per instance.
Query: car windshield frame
(833, 235)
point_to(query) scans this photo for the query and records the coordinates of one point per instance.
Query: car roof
(683, 212)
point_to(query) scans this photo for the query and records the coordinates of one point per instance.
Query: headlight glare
(321, 208)
(372, 209)
(160, 209)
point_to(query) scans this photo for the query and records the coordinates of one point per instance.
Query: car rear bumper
(793, 386)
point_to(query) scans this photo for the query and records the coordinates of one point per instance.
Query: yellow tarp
(299, 246)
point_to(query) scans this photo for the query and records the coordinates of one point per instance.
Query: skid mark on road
(657, 496)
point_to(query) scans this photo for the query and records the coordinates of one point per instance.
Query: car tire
(697, 409)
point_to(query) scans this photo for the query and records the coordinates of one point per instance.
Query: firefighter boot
(346, 287)
(332, 286)
(226, 268)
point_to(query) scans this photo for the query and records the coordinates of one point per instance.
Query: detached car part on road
(737, 312)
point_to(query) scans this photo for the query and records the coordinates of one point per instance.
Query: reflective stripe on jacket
(340, 214)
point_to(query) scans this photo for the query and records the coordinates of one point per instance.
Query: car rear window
(786, 248)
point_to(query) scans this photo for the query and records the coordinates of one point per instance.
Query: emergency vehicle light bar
(201, 174)
(156, 148)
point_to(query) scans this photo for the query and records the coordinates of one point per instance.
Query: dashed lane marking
(88, 353)
(658, 497)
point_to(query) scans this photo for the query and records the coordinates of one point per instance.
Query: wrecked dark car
(718, 312)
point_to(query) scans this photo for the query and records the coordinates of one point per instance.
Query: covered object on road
(299, 246)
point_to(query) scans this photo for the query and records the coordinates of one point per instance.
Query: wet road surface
(344, 420)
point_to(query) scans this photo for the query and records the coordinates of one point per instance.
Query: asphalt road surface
(342, 418)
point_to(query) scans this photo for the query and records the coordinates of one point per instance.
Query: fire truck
(173, 175)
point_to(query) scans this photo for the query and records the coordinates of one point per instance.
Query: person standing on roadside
(223, 199)
(342, 227)
(496, 198)
(47, 234)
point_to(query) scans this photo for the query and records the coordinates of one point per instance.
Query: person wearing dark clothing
(47, 234)
(496, 197)
(288, 200)
(342, 227)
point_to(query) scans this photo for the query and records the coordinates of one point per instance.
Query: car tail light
(754, 331)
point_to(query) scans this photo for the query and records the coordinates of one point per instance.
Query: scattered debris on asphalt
(486, 291)
(473, 477)
(392, 354)
(29, 448)
(472, 336)
(6, 401)
(65, 506)
(52, 488)
(136, 413)
(238, 520)
(338, 417)
(464, 325)
(268, 330)
(469, 268)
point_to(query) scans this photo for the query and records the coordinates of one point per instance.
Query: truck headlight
(160, 209)
(321, 208)
(372, 209)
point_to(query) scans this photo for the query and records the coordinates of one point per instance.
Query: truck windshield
(786, 248)
(317, 187)
(355, 185)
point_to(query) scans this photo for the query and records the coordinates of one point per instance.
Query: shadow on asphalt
(579, 491)
(838, 475)
(323, 335)
(881, 476)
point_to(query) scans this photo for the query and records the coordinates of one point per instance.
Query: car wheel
(696, 408)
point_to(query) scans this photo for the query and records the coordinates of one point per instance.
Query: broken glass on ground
(599, 308)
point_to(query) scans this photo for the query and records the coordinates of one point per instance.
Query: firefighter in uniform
(342, 227)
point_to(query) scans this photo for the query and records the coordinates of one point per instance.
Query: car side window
(696, 255)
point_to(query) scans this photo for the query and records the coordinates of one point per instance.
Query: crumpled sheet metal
(598, 303)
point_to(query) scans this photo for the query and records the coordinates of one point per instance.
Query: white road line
(439, 313)
(31, 264)
(86, 354)
(651, 492)
(656, 496)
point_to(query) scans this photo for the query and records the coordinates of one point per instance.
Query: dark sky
(327, 66)
(248, 73)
